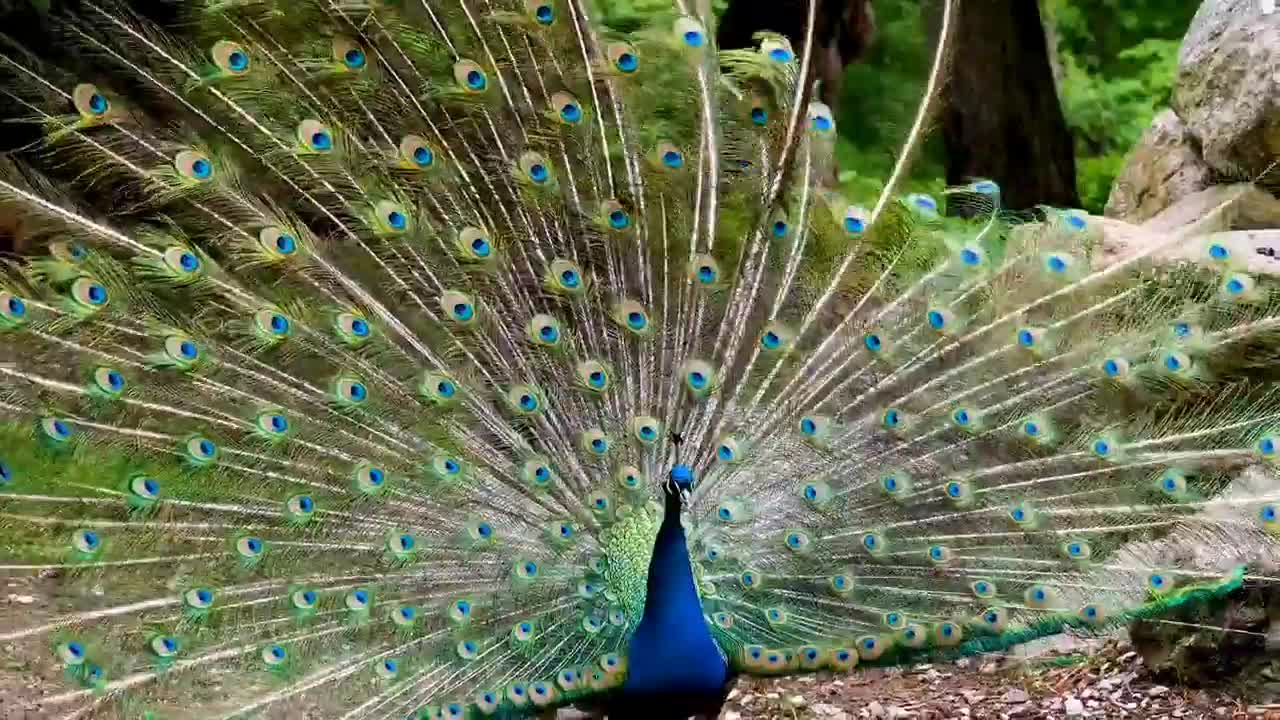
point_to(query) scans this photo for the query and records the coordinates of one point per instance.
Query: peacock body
(455, 360)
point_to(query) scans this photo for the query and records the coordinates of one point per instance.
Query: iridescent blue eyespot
(397, 220)
(672, 159)
(873, 342)
(201, 169)
(544, 14)
(618, 220)
(569, 278)
(854, 225)
(780, 54)
(759, 116)
(97, 104)
(1218, 252)
(354, 58)
(476, 80)
(969, 257)
(770, 340)
(693, 38)
(1057, 264)
(626, 62)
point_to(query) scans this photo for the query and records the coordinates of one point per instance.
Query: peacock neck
(672, 650)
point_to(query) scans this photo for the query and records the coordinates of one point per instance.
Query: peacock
(449, 360)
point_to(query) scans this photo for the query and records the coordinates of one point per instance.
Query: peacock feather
(463, 359)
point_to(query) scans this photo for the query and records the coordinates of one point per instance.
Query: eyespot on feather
(534, 168)
(623, 58)
(349, 55)
(194, 165)
(92, 103)
(416, 153)
(315, 137)
(470, 76)
(230, 57)
(689, 34)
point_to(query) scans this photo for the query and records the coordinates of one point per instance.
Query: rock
(1157, 691)
(875, 710)
(731, 715)
(1015, 696)
(795, 701)
(1182, 231)
(1227, 91)
(1073, 707)
(972, 696)
(988, 668)
(1163, 168)
(896, 713)
(824, 710)
(21, 599)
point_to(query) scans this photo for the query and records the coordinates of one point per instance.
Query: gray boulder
(1164, 168)
(1228, 87)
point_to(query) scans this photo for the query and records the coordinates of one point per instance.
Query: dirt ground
(1096, 680)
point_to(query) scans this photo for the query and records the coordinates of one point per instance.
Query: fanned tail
(368, 334)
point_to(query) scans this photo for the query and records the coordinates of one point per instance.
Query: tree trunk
(1001, 119)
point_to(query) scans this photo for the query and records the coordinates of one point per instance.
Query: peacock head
(679, 484)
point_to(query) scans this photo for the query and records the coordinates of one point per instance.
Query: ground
(1059, 678)
(1089, 680)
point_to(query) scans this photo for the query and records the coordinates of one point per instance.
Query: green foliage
(878, 102)
(1118, 64)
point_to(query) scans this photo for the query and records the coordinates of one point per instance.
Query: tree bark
(1001, 119)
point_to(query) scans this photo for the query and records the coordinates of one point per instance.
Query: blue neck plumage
(672, 651)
